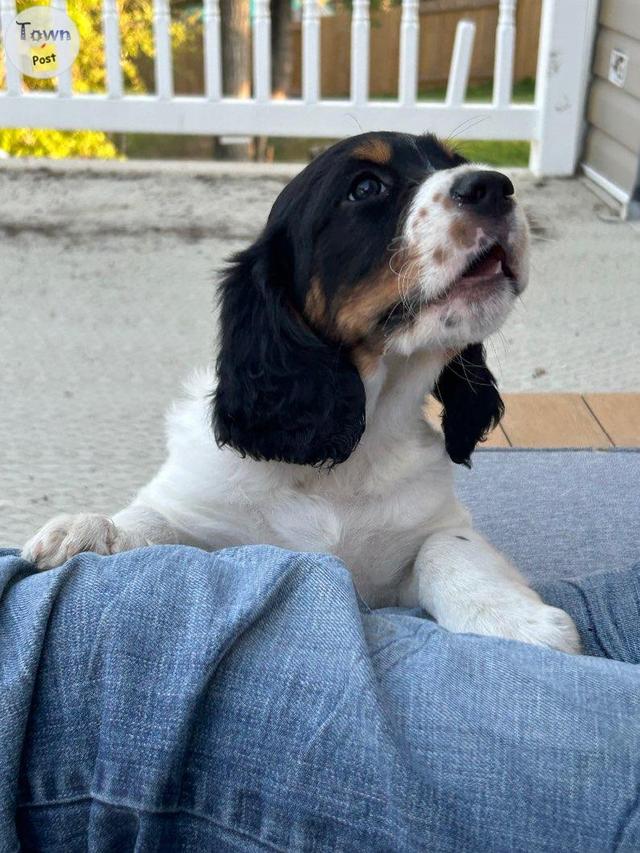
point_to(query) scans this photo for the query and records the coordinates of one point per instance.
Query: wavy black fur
(282, 394)
(472, 404)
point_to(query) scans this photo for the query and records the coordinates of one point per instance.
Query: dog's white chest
(377, 537)
(373, 511)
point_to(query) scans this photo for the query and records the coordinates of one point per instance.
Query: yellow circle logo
(41, 42)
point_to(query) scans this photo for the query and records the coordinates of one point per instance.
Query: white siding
(612, 142)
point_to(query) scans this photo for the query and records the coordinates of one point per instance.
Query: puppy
(381, 269)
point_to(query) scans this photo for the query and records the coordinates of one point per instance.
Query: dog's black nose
(486, 193)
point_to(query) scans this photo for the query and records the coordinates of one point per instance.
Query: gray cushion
(557, 513)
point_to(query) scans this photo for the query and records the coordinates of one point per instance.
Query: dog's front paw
(543, 625)
(67, 535)
(527, 619)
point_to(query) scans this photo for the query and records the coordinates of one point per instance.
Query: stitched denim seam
(595, 637)
(144, 810)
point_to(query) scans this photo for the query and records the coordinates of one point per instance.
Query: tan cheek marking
(315, 304)
(375, 150)
(438, 255)
(437, 198)
(366, 358)
(353, 314)
(363, 307)
(422, 213)
(462, 234)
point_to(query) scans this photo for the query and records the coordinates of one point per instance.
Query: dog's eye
(365, 186)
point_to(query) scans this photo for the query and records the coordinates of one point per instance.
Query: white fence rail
(553, 123)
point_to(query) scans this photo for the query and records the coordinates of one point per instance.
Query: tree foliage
(89, 74)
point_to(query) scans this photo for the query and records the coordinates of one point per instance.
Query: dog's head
(384, 243)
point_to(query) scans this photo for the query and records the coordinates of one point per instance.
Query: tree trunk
(281, 65)
(236, 64)
(281, 44)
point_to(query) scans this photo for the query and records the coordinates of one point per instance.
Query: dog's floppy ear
(472, 406)
(282, 392)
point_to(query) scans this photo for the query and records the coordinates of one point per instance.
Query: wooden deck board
(619, 416)
(562, 420)
(552, 420)
(497, 438)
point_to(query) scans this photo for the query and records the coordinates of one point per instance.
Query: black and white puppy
(381, 269)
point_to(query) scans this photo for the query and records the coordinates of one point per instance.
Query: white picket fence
(553, 122)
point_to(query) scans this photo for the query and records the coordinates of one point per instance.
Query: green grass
(299, 150)
(164, 146)
(490, 151)
(523, 92)
(495, 152)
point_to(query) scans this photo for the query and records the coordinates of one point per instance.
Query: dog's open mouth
(486, 273)
(487, 270)
(487, 265)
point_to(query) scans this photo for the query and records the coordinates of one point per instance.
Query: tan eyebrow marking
(375, 150)
(448, 149)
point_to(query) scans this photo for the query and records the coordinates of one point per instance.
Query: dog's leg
(67, 535)
(470, 587)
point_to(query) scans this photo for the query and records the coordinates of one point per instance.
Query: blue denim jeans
(168, 699)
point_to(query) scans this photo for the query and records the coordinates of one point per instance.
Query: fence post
(162, 43)
(212, 49)
(261, 51)
(13, 76)
(310, 51)
(111, 30)
(360, 52)
(409, 59)
(505, 49)
(567, 31)
(460, 63)
(64, 77)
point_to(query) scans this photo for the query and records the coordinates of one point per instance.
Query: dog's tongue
(488, 266)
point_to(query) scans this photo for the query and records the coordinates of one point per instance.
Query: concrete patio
(107, 277)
